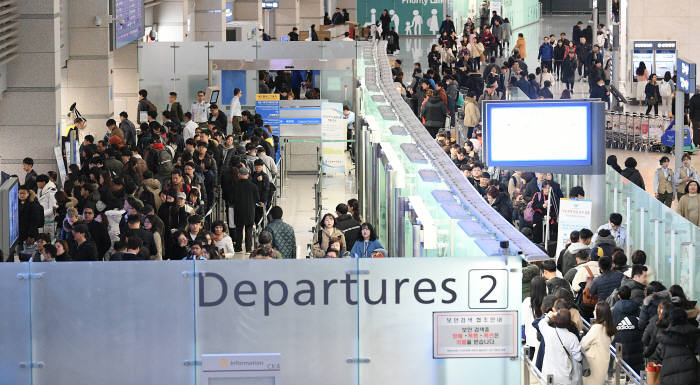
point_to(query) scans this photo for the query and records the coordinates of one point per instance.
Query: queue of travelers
(624, 303)
(149, 193)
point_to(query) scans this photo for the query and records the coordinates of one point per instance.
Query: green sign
(408, 17)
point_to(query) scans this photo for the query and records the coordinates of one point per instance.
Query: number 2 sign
(488, 289)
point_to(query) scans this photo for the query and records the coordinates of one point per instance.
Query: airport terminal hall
(349, 192)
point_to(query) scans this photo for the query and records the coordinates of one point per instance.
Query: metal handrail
(528, 366)
(620, 364)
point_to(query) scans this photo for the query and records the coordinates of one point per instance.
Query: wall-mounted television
(546, 136)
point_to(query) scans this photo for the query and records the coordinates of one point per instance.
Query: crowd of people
(150, 193)
(593, 280)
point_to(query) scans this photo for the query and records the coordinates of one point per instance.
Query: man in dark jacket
(347, 224)
(608, 280)
(447, 26)
(30, 177)
(219, 118)
(30, 213)
(135, 230)
(626, 317)
(86, 250)
(98, 232)
(434, 112)
(694, 109)
(637, 284)
(294, 35)
(546, 54)
(145, 105)
(549, 272)
(128, 129)
(245, 199)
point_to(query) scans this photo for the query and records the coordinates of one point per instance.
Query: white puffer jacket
(47, 200)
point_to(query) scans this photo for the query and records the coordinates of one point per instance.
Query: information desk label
(475, 334)
(488, 289)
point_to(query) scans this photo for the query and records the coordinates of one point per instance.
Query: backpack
(529, 213)
(587, 298)
(612, 298)
(165, 162)
(665, 89)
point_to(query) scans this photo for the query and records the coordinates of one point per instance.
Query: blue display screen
(129, 21)
(530, 134)
(13, 210)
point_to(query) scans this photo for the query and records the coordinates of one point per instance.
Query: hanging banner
(408, 17)
(574, 215)
(333, 127)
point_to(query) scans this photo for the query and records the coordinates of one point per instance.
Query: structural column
(29, 109)
(88, 80)
(171, 17)
(210, 20)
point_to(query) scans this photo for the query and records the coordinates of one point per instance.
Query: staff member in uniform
(663, 179)
(236, 112)
(200, 110)
(684, 175)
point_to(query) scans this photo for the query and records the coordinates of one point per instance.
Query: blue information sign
(686, 76)
(268, 106)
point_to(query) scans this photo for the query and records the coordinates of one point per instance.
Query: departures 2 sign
(487, 289)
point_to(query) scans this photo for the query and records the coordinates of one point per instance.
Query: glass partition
(15, 348)
(339, 321)
(669, 240)
(93, 322)
(156, 63)
(191, 71)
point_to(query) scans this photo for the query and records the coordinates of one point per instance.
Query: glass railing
(415, 195)
(669, 240)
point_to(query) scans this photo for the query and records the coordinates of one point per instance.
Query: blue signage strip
(300, 121)
(686, 76)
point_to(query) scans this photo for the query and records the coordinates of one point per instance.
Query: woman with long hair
(532, 309)
(155, 226)
(642, 76)
(595, 345)
(62, 251)
(325, 231)
(562, 357)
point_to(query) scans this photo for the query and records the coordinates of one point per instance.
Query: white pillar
(30, 107)
(210, 20)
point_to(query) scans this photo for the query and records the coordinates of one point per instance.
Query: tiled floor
(297, 202)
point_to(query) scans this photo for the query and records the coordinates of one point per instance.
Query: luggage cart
(620, 131)
(645, 124)
(657, 126)
(629, 131)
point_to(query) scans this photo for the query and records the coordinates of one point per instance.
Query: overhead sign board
(686, 76)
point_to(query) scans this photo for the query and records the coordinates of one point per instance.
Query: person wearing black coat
(86, 249)
(347, 224)
(447, 26)
(434, 112)
(245, 199)
(677, 347)
(148, 248)
(626, 317)
(656, 294)
(632, 174)
(385, 20)
(500, 201)
(30, 213)
(98, 232)
(652, 94)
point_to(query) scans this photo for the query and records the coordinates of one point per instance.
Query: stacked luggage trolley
(636, 132)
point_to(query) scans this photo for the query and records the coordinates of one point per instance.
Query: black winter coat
(350, 228)
(626, 317)
(434, 112)
(31, 218)
(503, 206)
(649, 307)
(650, 338)
(245, 196)
(677, 348)
(633, 175)
(86, 252)
(99, 234)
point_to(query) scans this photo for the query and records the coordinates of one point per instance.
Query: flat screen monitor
(528, 134)
(129, 23)
(9, 214)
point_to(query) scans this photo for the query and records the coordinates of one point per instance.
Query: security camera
(120, 21)
(98, 21)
